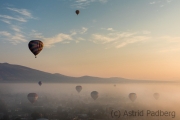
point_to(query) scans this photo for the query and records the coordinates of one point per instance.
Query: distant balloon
(40, 83)
(156, 95)
(77, 12)
(35, 46)
(94, 95)
(114, 85)
(78, 88)
(132, 96)
(32, 97)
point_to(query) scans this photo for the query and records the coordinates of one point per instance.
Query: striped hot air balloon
(35, 46)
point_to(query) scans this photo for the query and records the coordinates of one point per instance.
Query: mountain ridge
(13, 73)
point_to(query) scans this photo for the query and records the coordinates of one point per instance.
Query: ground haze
(63, 101)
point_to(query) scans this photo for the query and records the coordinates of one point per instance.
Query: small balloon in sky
(77, 12)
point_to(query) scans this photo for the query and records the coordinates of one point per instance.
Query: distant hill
(17, 73)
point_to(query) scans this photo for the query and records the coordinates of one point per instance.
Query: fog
(62, 101)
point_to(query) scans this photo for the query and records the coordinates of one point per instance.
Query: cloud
(103, 1)
(22, 15)
(6, 21)
(13, 38)
(60, 38)
(78, 39)
(20, 19)
(16, 28)
(168, 1)
(110, 29)
(170, 39)
(167, 43)
(21, 11)
(131, 40)
(152, 2)
(83, 3)
(169, 50)
(65, 38)
(5, 33)
(94, 21)
(82, 31)
(111, 37)
(146, 32)
(17, 38)
(15, 34)
(161, 3)
(49, 42)
(119, 39)
(101, 38)
(36, 35)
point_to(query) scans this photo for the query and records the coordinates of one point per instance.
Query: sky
(134, 39)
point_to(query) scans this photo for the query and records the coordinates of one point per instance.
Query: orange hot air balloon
(32, 97)
(132, 96)
(78, 88)
(77, 12)
(35, 46)
(94, 95)
(156, 96)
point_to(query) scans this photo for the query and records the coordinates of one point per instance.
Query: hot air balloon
(32, 97)
(77, 12)
(156, 95)
(35, 46)
(114, 85)
(132, 96)
(78, 88)
(94, 95)
(40, 83)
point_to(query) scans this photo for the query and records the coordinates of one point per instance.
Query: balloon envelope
(32, 97)
(94, 95)
(132, 96)
(78, 88)
(35, 46)
(77, 12)
(156, 95)
(40, 83)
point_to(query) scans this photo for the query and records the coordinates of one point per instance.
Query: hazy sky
(136, 39)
